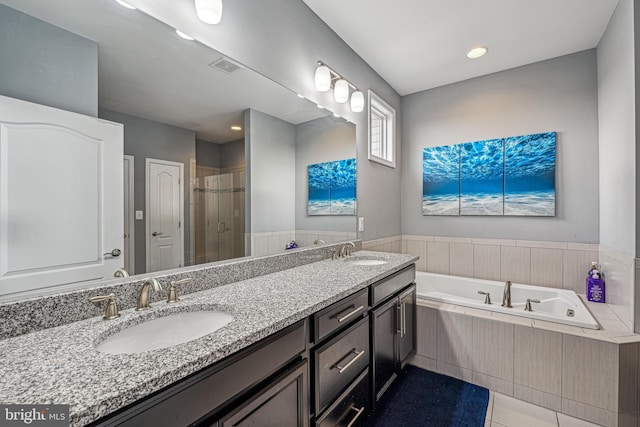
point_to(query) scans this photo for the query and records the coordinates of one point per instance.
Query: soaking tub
(556, 305)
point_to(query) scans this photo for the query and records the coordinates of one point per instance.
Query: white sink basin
(364, 260)
(164, 332)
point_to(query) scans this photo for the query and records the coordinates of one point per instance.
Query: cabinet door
(283, 403)
(383, 333)
(407, 326)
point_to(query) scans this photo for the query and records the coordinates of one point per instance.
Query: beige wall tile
(515, 264)
(424, 363)
(461, 259)
(418, 248)
(455, 371)
(486, 262)
(592, 247)
(536, 397)
(510, 411)
(452, 239)
(590, 413)
(438, 257)
(628, 379)
(590, 372)
(426, 332)
(538, 360)
(492, 383)
(494, 242)
(546, 267)
(455, 339)
(568, 421)
(541, 244)
(574, 271)
(493, 348)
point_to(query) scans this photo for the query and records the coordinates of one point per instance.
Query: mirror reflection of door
(165, 211)
(129, 216)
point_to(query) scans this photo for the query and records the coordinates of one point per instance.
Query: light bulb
(341, 91)
(209, 11)
(323, 79)
(357, 101)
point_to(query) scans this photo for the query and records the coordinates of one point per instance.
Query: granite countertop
(61, 366)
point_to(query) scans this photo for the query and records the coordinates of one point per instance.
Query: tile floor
(505, 411)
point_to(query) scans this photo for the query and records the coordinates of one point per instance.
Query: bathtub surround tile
(511, 318)
(590, 372)
(427, 324)
(576, 265)
(493, 242)
(590, 247)
(516, 413)
(620, 278)
(568, 421)
(461, 259)
(599, 416)
(418, 248)
(486, 262)
(492, 395)
(628, 379)
(542, 244)
(452, 239)
(515, 264)
(455, 371)
(609, 329)
(455, 339)
(438, 257)
(424, 363)
(538, 360)
(493, 383)
(537, 397)
(601, 311)
(558, 327)
(493, 348)
(546, 267)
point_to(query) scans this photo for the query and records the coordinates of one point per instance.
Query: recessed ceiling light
(236, 128)
(477, 52)
(125, 4)
(336, 115)
(300, 96)
(319, 106)
(183, 35)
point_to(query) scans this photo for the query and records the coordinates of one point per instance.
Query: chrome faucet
(346, 249)
(506, 295)
(143, 296)
(527, 306)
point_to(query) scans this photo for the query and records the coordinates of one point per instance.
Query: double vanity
(317, 344)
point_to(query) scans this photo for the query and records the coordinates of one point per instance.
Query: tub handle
(527, 306)
(487, 298)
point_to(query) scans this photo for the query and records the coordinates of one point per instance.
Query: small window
(382, 131)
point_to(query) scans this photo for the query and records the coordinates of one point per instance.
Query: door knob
(114, 253)
(156, 233)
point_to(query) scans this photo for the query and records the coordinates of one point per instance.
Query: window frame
(388, 113)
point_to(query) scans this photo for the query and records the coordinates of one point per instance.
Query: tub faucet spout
(506, 295)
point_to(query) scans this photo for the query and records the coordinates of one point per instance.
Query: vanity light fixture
(209, 11)
(183, 35)
(236, 128)
(125, 4)
(477, 52)
(326, 78)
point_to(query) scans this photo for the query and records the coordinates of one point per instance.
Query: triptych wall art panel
(332, 188)
(510, 176)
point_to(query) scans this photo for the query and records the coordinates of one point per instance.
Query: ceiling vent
(226, 65)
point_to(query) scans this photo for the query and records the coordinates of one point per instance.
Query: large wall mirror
(241, 145)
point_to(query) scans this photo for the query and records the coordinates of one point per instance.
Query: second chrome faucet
(506, 295)
(143, 295)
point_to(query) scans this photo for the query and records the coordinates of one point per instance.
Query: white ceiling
(417, 45)
(146, 70)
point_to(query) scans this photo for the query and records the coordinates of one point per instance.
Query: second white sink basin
(364, 260)
(164, 332)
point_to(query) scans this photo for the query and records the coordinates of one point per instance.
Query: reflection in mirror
(238, 144)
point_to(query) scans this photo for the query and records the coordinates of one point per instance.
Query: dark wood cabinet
(282, 403)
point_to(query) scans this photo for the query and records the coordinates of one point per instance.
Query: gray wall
(617, 132)
(317, 141)
(556, 95)
(148, 139)
(232, 154)
(44, 64)
(207, 154)
(283, 39)
(270, 142)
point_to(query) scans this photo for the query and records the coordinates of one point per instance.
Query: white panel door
(165, 209)
(61, 197)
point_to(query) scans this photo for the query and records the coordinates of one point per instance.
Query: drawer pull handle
(342, 318)
(358, 413)
(341, 369)
(399, 319)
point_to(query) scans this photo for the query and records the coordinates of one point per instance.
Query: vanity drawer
(338, 362)
(388, 286)
(339, 314)
(351, 408)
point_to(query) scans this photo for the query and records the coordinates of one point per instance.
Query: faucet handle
(111, 310)
(487, 298)
(333, 254)
(173, 291)
(527, 306)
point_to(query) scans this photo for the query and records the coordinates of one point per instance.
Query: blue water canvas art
(482, 177)
(530, 170)
(332, 188)
(441, 180)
